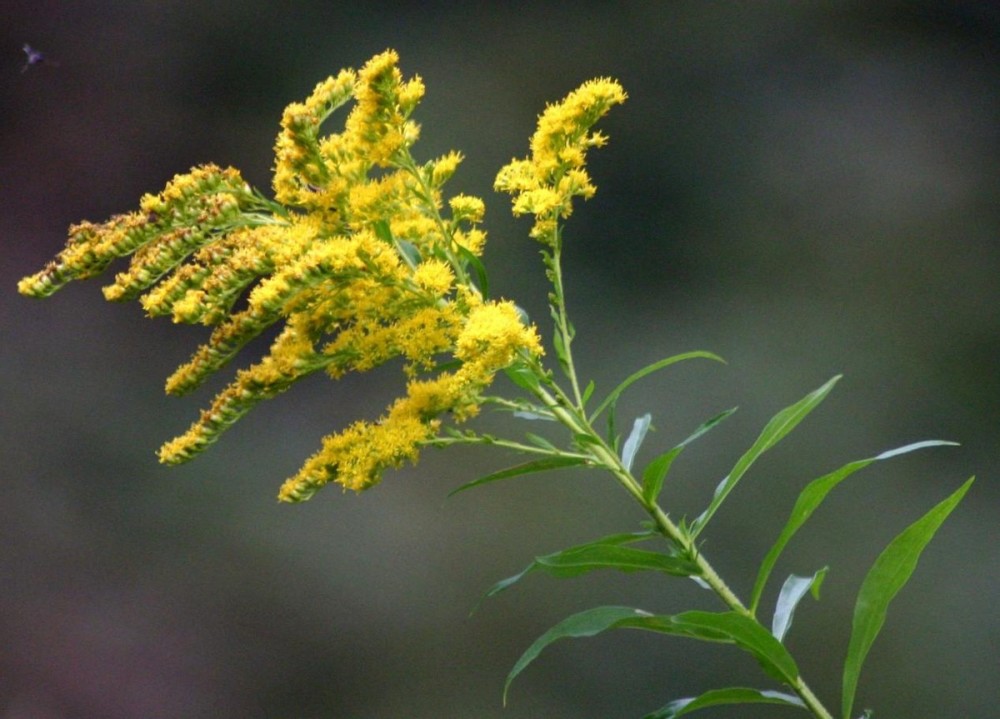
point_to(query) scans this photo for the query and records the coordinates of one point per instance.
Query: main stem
(560, 315)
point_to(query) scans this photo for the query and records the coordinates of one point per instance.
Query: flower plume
(358, 259)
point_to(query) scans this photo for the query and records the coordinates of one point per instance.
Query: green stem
(562, 318)
(518, 447)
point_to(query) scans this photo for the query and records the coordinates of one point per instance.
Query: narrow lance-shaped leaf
(743, 631)
(792, 591)
(538, 465)
(482, 279)
(887, 576)
(561, 342)
(534, 415)
(604, 553)
(635, 438)
(726, 627)
(382, 231)
(656, 471)
(584, 624)
(718, 697)
(541, 442)
(523, 377)
(776, 429)
(613, 438)
(649, 369)
(571, 563)
(809, 499)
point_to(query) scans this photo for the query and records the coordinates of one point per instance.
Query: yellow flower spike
(472, 240)
(331, 94)
(206, 290)
(542, 201)
(427, 333)
(226, 340)
(89, 250)
(291, 358)
(517, 176)
(410, 94)
(377, 125)
(434, 276)
(494, 335)
(356, 457)
(162, 299)
(418, 228)
(301, 167)
(372, 201)
(467, 208)
(544, 184)
(169, 249)
(444, 167)
(205, 195)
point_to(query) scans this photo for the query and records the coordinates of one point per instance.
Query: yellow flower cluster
(491, 339)
(185, 216)
(544, 184)
(353, 257)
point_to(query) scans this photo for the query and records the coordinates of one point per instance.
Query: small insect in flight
(34, 57)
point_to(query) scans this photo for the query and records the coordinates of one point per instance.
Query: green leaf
(774, 431)
(887, 576)
(634, 441)
(559, 344)
(409, 252)
(586, 440)
(534, 416)
(717, 697)
(710, 424)
(482, 280)
(613, 438)
(614, 540)
(792, 591)
(656, 471)
(537, 465)
(573, 562)
(382, 231)
(747, 634)
(523, 377)
(540, 441)
(524, 409)
(809, 499)
(726, 627)
(649, 369)
(584, 624)
(588, 391)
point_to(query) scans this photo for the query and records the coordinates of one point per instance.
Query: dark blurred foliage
(805, 188)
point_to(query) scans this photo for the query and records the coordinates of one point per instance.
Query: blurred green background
(805, 188)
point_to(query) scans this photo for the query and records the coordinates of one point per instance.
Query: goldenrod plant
(362, 257)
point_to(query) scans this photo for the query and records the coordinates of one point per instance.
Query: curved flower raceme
(544, 184)
(356, 258)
